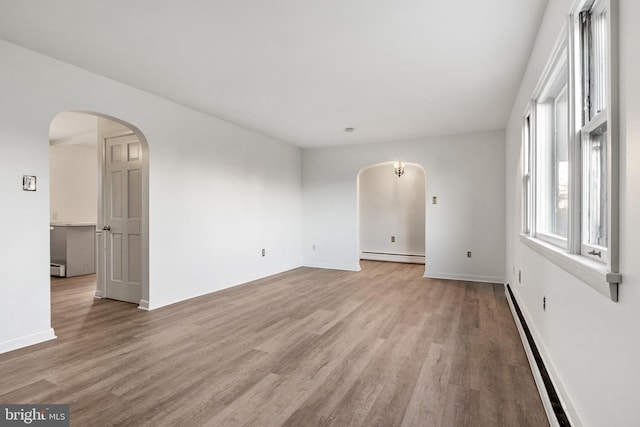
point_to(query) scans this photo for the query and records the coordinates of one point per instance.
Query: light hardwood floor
(309, 347)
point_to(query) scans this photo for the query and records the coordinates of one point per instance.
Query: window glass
(552, 185)
(594, 192)
(594, 41)
(526, 175)
(561, 166)
(595, 201)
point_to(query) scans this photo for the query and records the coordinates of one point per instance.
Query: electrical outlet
(393, 239)
(313, 247)
(544, 303)
(469, 254)
(519, 276)
(434, 200)
(263, 252)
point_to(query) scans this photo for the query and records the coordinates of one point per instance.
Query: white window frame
(527, 165)
(589, 122)
(552, 85)
(600, 273)
(596, 252)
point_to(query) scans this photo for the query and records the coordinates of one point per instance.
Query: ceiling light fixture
(398, 168)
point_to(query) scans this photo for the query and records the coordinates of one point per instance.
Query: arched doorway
(121, 201)
(391, 212)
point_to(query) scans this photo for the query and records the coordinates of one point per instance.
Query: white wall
(590, 343)
(465, 172)
(392, 206)
(202, 237)
(73, 183)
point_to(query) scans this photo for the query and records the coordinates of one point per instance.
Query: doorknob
(106, 227)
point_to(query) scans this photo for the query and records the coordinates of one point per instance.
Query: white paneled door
(122, 229)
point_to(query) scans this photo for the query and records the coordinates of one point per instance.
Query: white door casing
(122, 229)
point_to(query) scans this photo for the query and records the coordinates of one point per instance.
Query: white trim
(595, 123)
(592, 273)
(553, 239)
(334, 267)
(574, 232)
(147, 306)
(118, 133)
(27, 340)
(559, 50)
(527, 168)
(464, 277)
(580, 5)
(568, 408)
(542, 391)
(613, 143)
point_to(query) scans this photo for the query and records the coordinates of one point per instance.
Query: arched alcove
(121, 160)
(391, 213)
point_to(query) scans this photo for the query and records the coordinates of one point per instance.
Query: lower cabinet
(74, 247)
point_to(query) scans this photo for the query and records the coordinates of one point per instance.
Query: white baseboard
(144, 305)
(570, 412)
(98, 294)
(27, 340)
(463, 277)
(334, 267)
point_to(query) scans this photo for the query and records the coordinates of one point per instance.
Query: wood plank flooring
(308, 347)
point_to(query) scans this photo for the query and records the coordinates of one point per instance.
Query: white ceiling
(301, 71)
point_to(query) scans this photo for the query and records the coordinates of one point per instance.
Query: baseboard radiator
(57, 270)
(548, 391)
(386, 256)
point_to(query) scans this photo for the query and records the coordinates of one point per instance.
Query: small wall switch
(29, 183)
(263, 252)
(434, 200)
(544, 303)
(393, 239)
(519, 276)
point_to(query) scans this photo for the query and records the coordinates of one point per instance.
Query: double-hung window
(527, 137)
(570, 155)
(552, 156)
(592, 42)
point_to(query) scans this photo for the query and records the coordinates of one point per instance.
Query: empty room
(333, 213)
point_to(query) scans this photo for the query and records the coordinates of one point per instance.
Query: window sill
(593, 273)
